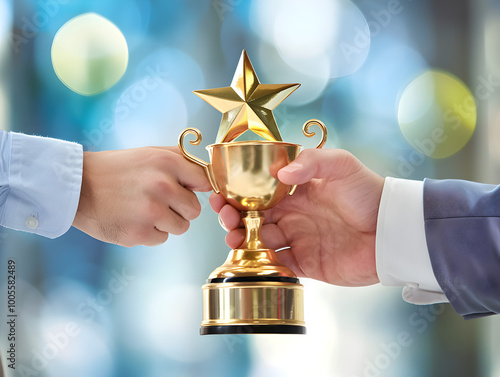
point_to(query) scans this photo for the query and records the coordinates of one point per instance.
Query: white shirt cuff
(42, 183)
(401, 249)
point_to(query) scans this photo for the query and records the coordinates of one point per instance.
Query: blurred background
(398, 83)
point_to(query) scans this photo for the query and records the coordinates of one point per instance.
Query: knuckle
(181, 226)
(170, 157)
(164, 238)
(194, 208)
(158, 240)
(342, 153)
(161, 187)
(139, 235)
(190, 207)
(153, 212)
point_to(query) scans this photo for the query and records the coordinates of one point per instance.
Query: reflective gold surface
(252, 289)
(247, 104)
(305, 130)
(246, 172)
(324, 131)
(253, 257)
(205, 165)
(265, 303)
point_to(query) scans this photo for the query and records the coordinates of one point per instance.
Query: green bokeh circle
(437, 114)
(89, 54)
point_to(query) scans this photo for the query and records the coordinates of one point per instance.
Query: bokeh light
(492, 55)
(150, 112)
(352, 78)
(437, 114)
(276, 71)
(5, 24)
(177, 68)
(319, 38)
(272, 351)
(4, 110)
(171, 314)
(75, 348)
(383, 77)
(89, 54)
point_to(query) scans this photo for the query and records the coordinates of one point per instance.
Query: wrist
(82, 213)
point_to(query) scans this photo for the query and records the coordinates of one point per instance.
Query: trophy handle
(307, 133)
(205, 165)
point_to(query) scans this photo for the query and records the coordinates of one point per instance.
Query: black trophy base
(252, 329)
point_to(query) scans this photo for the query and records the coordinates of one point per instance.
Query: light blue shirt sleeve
(40, 181)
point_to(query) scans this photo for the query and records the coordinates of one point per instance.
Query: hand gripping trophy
(252, 292)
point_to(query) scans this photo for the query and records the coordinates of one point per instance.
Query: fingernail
(223, 225)
(292, 168)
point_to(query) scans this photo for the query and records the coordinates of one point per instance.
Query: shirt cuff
(43, 184)
(401, 249)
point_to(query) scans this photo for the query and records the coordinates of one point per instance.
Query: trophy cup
(252, 292)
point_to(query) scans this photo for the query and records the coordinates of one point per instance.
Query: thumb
(319, 163)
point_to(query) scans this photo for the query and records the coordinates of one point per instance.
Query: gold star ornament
(247, 104)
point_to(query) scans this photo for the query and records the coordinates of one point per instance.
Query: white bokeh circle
(320, 38)
(89, 54)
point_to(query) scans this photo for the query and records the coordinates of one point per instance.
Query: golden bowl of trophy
(252, 292)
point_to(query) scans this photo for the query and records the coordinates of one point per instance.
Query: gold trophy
(252, 292)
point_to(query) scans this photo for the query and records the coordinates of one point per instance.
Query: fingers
(154, 228)
(230, 217)
(141, 234)
(157, 237)
(188, 174)
(288, 259)
(216, 202)
(319, 163)
(275, 239)
(272, 236)
(170, 207)
(235, 238)
(181, 206)
(172, 222)
(185, 203)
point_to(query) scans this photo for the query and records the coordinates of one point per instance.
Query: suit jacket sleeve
(462, 228)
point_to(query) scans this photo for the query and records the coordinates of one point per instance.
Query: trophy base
(258, 305)
(252, 329)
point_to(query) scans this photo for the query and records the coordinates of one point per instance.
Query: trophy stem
(253, 221)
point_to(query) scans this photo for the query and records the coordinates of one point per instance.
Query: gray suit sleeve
(462, 228)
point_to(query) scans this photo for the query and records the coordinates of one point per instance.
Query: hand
(138, 196)
(329, 223)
